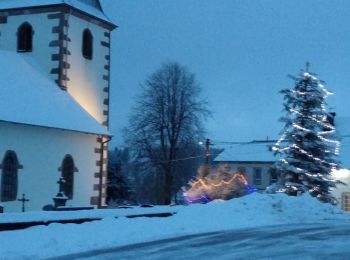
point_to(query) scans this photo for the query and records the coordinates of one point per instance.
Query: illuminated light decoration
(250, 188)
(204, 190)
(203, 181)
(200, 199)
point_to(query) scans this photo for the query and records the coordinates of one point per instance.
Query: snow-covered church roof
(28, 96)
(256, 151)
(90, 7)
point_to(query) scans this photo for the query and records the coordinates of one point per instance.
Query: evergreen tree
(308, 145)
(118, 190)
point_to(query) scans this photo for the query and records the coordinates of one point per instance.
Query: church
(54, 103)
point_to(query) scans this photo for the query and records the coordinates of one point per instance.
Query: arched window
(87, 47)
(9, 176)
(25, 38)
(67, 171)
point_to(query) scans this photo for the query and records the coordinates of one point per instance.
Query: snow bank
(250, 211)
(47, 216)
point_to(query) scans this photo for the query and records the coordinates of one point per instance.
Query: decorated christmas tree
(308, 145)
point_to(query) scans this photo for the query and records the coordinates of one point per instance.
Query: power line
(216, 142)
(186, 158)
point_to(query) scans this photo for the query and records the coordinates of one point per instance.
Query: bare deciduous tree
(167, 117)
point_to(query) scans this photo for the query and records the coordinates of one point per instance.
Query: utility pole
(207, 143)
(206, 158)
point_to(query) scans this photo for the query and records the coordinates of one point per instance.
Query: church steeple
(94, 3)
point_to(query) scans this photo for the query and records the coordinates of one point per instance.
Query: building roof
(256, 151)
(90, 7)
(28, 96)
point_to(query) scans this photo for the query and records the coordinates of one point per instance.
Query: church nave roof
(28, 96)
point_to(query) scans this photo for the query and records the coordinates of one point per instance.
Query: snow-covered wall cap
(90, 7)
(256, 151)
(28, 96)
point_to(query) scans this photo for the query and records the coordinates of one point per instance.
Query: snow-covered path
(241, 222)
(306, 241)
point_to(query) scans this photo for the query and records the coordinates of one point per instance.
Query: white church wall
(88, 79)
(40, 151)
(42, 37)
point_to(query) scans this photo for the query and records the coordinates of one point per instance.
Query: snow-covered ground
(254, 210)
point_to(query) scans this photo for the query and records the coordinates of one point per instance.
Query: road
(312, 241)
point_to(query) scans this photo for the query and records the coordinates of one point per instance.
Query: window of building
(257, 176)
(9, 177)
(346, 201)
(67, 173)
(25, 38)
(87, 47)
(273, 175)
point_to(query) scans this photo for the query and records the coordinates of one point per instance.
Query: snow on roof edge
(106, 134)
(249, 152)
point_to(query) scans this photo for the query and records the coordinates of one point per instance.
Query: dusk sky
(241, 52)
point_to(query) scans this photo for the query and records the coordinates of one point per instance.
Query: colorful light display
(218, 185)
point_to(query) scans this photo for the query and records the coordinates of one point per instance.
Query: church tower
(70, 40)
(67, 41)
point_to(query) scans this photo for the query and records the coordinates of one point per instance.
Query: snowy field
(255, 210)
